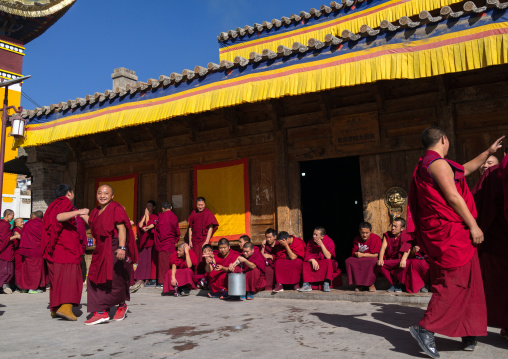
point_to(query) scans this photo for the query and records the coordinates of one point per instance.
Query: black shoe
(425, 339)
(469, 343)
(184, 291)
(151, 283)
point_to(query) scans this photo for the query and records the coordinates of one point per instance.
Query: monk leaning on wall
(442, 211)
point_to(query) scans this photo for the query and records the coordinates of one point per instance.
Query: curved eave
(37, 9)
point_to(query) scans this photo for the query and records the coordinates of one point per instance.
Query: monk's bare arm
(188, 258)
(325, 251)
(476, 162)
(290, 253)
(122, 239)
(403, 260)
(444, 177)
(367, 255)
(381, 261)
(65, 216)
(190, 236)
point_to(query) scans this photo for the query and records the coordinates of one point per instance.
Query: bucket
(237, 284)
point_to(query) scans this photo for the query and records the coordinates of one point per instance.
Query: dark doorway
(332, 198)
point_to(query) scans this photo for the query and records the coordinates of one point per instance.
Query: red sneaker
(98, 318)
(121, 312)
(278, 288)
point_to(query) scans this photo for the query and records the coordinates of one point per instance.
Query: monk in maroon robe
(442, 212)
(200, 278)
(267, 250)
(318, 266)
(167, 235)
(62, 248)
(491, 198)
(179, 278)
(361, 267)
(418, 270)
(110, 271)
(252, 263)
(490, 162)
(6, 252)
(33, 271)
(17, 231)
(147, 251)
(393, 256)
(202, 225)
(218, 268)
(289, 253)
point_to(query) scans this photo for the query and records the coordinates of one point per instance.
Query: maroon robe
(167, 235)
(255, 278)
(183, 272)
(6, 253)
(33, 271)
(289, 271)
(199, 222)
(490, 198)
(362, 271)
(269, 268)
(218, 278)
(457, 307)
(328, 269)
(108, 278)
(17, 257)
(418, 270)
(147, 252)
(395, 248)
(62, 249)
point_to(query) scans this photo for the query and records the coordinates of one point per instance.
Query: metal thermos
(237, 284)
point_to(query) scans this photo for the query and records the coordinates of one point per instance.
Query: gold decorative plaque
(395, 200)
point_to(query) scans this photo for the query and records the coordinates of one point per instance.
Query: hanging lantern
(18, 126)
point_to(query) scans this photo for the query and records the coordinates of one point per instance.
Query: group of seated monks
(283, 261)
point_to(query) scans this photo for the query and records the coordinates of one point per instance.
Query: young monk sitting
(217, 268)
(418, 272)
(201, 277)
(361, 266)
(267, 250)
(392, 261)
(252, 263)
(318, 265)
(179, 277)
(289, 253)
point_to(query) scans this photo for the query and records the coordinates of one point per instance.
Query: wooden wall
(277, 135)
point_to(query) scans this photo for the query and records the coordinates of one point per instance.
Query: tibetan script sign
(355, 132)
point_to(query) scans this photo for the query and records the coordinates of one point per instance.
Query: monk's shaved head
(223, 241)
(248, 245)
(431, 136)
(38, 214)
(108, 186)
(182, 245)
(401, 220)
(8, 212)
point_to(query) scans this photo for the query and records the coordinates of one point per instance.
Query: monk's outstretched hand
(476, 235)
(83, 211)
(496, 145)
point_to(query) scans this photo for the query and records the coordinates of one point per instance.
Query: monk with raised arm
(361, 266)
(393, 255)
(62, 248)
(318, 266)
(33, 271)
(6, 252)
(167, 235)
(217, 268)
(491, 198)
(110, 271)
(289, 253)
(267, 250)
(200, 278)
(202, 225)
(147, 251)
(442, 212)
(179, 278)
(252, 263)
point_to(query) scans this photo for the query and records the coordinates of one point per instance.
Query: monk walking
(179, 278)
(289, 253)
(147, 252)
(318, 266)
(361, 266)
(267, 250)
(491, 198)
(6, 251)
(109, 274)
(62, 248)
(394, 253)
(33, 271)
(202, 225)
(442, 212)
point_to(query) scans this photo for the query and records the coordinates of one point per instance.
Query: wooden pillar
(281, 181)
(446, 117)
(162, 179)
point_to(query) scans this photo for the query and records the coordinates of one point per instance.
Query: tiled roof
(39, 8)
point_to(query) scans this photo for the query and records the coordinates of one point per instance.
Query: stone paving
(195, 326)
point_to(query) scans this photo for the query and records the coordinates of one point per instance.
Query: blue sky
(77, 55)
